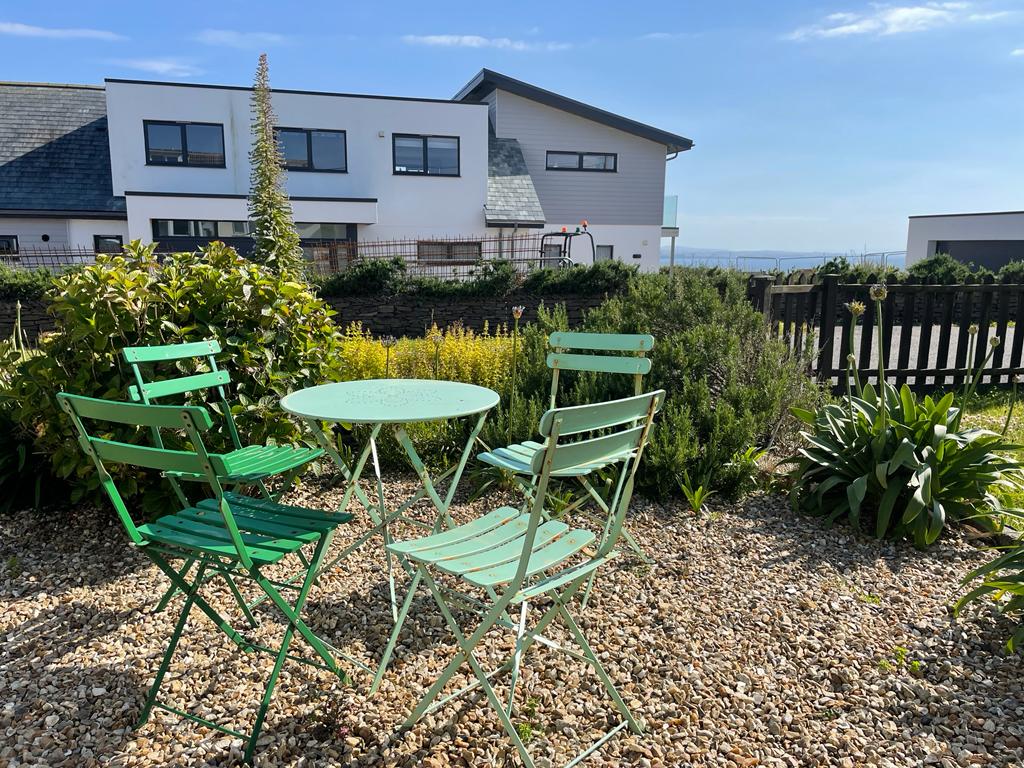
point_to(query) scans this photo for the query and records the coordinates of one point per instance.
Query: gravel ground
(758, 638)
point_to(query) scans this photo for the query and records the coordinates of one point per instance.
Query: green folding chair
(518, 556)
(249, 465)
(620, 354)
(227, 535)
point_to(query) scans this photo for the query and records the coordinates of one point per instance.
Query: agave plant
(1002, 581)
(900, 466)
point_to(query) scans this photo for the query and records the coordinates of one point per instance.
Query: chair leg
(606, 681)
(291, 612)
(171, 647)
(172, 590)
(393, 640)
(466, 646)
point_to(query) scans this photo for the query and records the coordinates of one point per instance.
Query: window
(192, 144)
(107, 243)
(321, 231)
(425, 155)
(607, 162)
(604, 253)
(8, 245)
(441, 250)
(163, 228)
(313, 150)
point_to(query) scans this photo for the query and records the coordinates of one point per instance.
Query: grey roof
(488, 80)
(54, 153)
(511, 197)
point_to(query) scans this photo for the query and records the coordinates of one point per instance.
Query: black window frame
(424, 137)
(14, 241)
(579, 161)
(309, 148)
(96, 242)
(611, 252)
(182, 127)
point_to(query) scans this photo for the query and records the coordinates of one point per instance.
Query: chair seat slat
(509, 552)
(161, 353)
(181, 385)
(542, 558)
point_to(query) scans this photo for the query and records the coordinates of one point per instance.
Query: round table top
(389, 401)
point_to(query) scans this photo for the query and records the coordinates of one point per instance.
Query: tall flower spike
(517, 311)
(856, 308)
(878, 292)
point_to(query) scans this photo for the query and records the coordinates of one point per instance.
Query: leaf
(885, 509)
(855, 493)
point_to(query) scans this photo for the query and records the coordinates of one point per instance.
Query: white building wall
(82, 231)
(625, 207)
(407, 206)
(30, 232)
(923, 232)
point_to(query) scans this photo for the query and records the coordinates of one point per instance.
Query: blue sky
(818, 125)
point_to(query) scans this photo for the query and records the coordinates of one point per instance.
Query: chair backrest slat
(602, 342)
(162, 353)
(591, 450)
(164, 459)
(168, 387)
(599, 363)
(598, 416)
(165, 416)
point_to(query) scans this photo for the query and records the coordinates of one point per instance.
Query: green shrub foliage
(1013, 272)
(23, 284)
(1002, 583)
(943, 268)
(729, 386)
(277, 336)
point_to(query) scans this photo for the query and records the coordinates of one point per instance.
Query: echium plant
(276, 241)
(898, 466)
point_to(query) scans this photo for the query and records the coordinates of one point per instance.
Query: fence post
(829, 288)
(759, 295)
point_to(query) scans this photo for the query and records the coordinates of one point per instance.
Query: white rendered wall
(407, 205)
(924, 231)
(81, 231)
(30, 232)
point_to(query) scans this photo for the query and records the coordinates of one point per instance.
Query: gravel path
(758, 639)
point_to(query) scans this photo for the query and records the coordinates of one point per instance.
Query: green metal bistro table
(391, 403)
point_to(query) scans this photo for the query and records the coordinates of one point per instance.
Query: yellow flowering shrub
(455, 354)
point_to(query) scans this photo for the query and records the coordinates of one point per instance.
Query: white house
(985, 239)
(501, 158)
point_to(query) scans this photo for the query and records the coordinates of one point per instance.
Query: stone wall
(397, 316)
(34, 318)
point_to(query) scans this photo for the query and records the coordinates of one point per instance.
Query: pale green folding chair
(249, 465)
(617, 354)
(517, 556)
(228, 534)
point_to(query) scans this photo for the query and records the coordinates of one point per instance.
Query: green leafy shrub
(277, 336)
(729, 386)
(24, 284)
(1002, 580)
(944, 269)
(897, 466)
(604, 277)
(1012, 272)
(490, 278)
(370, 277)
(859, 272)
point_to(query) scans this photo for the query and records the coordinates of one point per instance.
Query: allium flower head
(878, 292)
(856, 308)
(851, 358)
(994, 342)
(973, 329)
(388, 341)
(517, 311)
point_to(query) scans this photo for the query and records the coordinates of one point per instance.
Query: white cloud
(664, 36)
(1017, 52)
(27, 30)
(478, 41)
(166, 67)
(232, 38)
(885, 20)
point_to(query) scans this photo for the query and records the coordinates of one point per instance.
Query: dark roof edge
(290, 90)
(487, 80)
(517, 224)
(50, 85)
(956, 215)
(40, 213)
(228, 196)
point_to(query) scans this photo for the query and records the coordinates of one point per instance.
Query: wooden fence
(925, 339)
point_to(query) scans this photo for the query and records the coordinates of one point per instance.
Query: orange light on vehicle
(584, 223)
(565, 229)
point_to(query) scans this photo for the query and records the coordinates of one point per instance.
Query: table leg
(350, 478)
(384, 527)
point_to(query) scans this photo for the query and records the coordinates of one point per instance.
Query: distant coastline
(754, 261)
